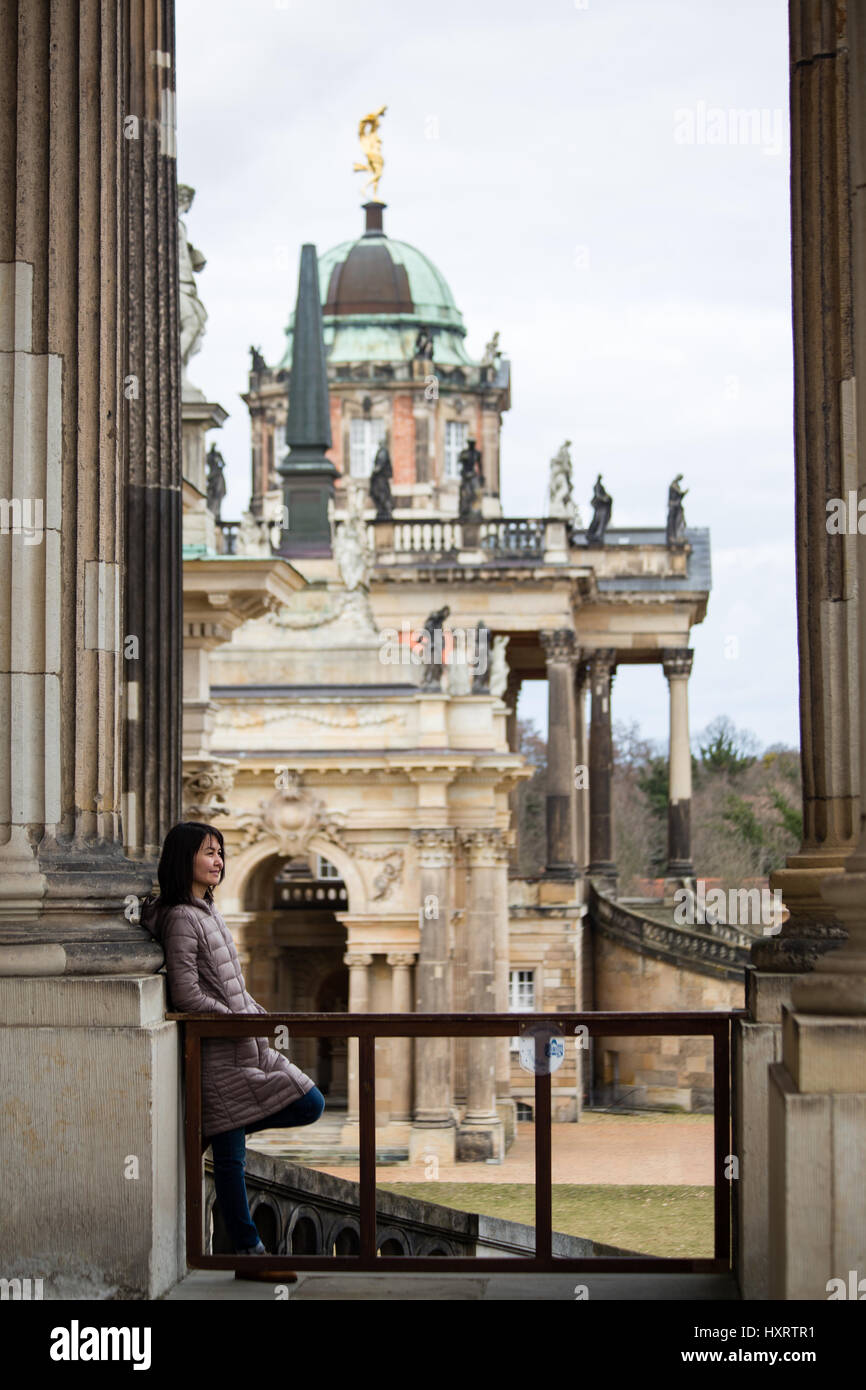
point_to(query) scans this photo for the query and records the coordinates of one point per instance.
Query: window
(455, 440)
(280, 446)
(524, 1112)
(521, 996)
(325, 869)
(365, 436)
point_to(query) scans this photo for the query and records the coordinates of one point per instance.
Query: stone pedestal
(817, 1156)
(90, 1078)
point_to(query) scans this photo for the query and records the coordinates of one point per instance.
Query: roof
(376, 293)
(697, 577)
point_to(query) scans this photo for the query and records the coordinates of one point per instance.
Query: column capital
(483, 847)
(435, 846)
(677, 661)
(357, 958)
(404, 958)
(560, 644)
(601, 662)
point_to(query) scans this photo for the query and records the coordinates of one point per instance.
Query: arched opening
(267, 1225)
(347, 1242)
(392, 1246)
(294, 946)
(304, 1238)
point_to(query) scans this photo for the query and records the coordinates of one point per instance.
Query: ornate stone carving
(499, 670)
(205, 789)
(677, 661)
(193, 314)
(435, 847)
(292, 816)
(483, 847)
(559, 645)
(401, 958)
(357, 958)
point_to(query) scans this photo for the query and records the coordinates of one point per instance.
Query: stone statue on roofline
(471, 479)
(216, 483)
(560, 495)
(193, 314)
(602, 506)
(380, 484)
(676, 527)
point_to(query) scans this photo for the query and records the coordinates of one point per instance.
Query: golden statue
(371, 144)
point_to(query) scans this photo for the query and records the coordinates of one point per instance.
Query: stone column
(581, 748)
(512, 693)
(481, 1136)
(560, 653)
(433, 1130)
(677, 665)
(401, 963)
(817, 1091)
(601, 862)
(359, 995)
(89, 385)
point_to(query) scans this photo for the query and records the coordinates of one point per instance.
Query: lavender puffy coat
(243, 1079)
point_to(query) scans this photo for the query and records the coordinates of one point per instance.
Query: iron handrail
(367, 1028)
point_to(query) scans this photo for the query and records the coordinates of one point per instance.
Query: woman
(246, 1085)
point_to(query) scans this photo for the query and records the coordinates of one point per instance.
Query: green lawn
(665, 1221)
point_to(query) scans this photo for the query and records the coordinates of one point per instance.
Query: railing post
(192, 1069)
(367, 1144)
(543, 1193)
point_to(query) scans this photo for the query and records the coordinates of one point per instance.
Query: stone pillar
(90, 422)
(677, 665)
(817, 1091)
(401, 963)
(502, 957)
(581, 749)
(560, 653)
(481, 1135)
(601, 862)
(359, 996)
(433, 1130)
(512, 693)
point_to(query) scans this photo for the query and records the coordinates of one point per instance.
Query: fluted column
(823, 264)
(481, 1135)
(677, 665)
(581, 752)
(837, 984)
(512, 693)
(433, 1121)
(601, 862)
(87, 254)
(359, 996)
(401, 963)
(502, 956)
(560, 654)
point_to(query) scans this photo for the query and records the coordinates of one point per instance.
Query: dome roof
(376, 294)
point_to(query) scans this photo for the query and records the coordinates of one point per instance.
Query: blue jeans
(229, 1156)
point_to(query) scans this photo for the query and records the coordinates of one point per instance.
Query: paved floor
(618, 1149)
(550, 1288)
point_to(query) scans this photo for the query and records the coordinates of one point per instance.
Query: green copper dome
(376, 294)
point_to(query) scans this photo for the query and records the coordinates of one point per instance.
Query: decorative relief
(484, 848)
(677, 661)
(559, 645)
(354, 717)
(294, 815)
(205, 789)
(435, 847)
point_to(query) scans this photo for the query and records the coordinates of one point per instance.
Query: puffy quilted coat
(243, 1079)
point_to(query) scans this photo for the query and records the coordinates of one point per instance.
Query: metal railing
(367, 1028)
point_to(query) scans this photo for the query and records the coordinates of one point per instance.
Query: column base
(481, 1141)
(817, 1120)
(433, 1141)
(94, 1145)
(605, 875)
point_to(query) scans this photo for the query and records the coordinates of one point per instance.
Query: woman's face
(208, 863)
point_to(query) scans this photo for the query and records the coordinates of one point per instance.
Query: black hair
(179, 850)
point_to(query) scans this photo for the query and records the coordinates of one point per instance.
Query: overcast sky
(579, 174)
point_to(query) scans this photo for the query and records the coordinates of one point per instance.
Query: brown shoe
(268, 1276)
